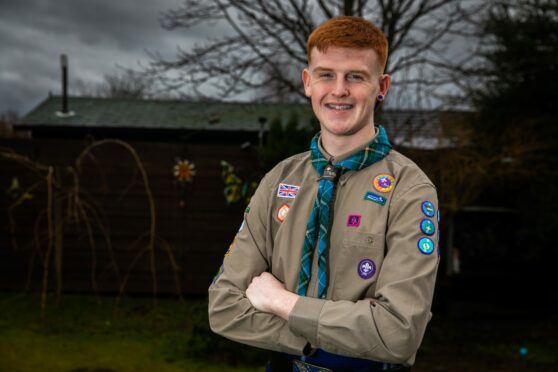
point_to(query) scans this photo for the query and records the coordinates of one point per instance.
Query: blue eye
(355, 77)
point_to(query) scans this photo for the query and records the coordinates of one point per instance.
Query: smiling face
(343, 85)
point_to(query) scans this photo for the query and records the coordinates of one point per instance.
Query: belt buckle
(300, 366)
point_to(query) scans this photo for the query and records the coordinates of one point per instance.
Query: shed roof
(159, 114)
(407, 128)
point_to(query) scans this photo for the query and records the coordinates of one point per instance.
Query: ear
(306, 80)
(385, 84)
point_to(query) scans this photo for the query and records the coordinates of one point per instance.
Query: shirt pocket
(358, 266)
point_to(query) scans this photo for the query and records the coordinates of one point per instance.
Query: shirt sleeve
(388, 327)
(230, 312)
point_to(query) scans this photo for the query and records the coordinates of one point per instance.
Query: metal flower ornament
(184, 172)
(235, 188)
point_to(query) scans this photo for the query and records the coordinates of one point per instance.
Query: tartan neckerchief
(329, 173)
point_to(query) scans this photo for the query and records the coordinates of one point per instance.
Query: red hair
(349, 32)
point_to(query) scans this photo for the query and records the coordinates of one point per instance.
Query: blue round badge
(427, 227)
(426, 245)
(366, 268)
(428, 208)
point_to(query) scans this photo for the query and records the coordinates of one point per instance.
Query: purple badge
(366, 268)
(383, 182)
(353, 220)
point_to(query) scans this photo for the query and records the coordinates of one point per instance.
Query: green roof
(160, 114)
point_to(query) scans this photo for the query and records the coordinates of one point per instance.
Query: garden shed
(103, 244)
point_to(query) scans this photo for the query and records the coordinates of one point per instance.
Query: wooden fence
(190, 240)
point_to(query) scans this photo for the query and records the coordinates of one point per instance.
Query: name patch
(370, 196)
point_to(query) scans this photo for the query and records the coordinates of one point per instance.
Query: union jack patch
(287, 191)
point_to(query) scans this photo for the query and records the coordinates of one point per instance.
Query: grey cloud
(97, 35)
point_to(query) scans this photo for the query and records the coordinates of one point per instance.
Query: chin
(344, 128)
(341, 132)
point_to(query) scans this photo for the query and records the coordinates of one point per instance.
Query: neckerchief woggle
(318, 225)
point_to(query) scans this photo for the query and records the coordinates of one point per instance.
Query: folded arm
(231, 314)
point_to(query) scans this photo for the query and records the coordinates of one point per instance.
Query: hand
(269, 295)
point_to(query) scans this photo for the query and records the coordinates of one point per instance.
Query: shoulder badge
(427, 227)
(426, 245)
(428, 208)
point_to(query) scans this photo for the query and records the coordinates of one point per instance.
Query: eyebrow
(319, 69)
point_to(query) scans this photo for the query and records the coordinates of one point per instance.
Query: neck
(338, 145)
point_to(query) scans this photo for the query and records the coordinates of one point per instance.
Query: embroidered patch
(287, 191)
(366, 268)
(353, 220)
(428, 208)
(426, 245)
(427, 227)
(375, 198)
(383, 182)
(282, 212)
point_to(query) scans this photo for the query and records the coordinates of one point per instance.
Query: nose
(341, 89)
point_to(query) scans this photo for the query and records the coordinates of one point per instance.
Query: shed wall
(197, 234)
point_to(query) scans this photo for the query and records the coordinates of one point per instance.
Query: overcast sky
(97, 35)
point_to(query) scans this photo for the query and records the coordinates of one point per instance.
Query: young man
(334, 264)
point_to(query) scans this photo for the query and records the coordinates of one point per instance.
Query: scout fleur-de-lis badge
(184, 172)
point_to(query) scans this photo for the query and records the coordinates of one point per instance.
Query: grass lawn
(84, 334)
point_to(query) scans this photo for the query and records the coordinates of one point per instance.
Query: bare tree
(7, 121)
(71, 207)
(126, 83)
(263, 47)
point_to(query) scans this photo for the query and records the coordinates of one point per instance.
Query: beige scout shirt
(382, 317)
